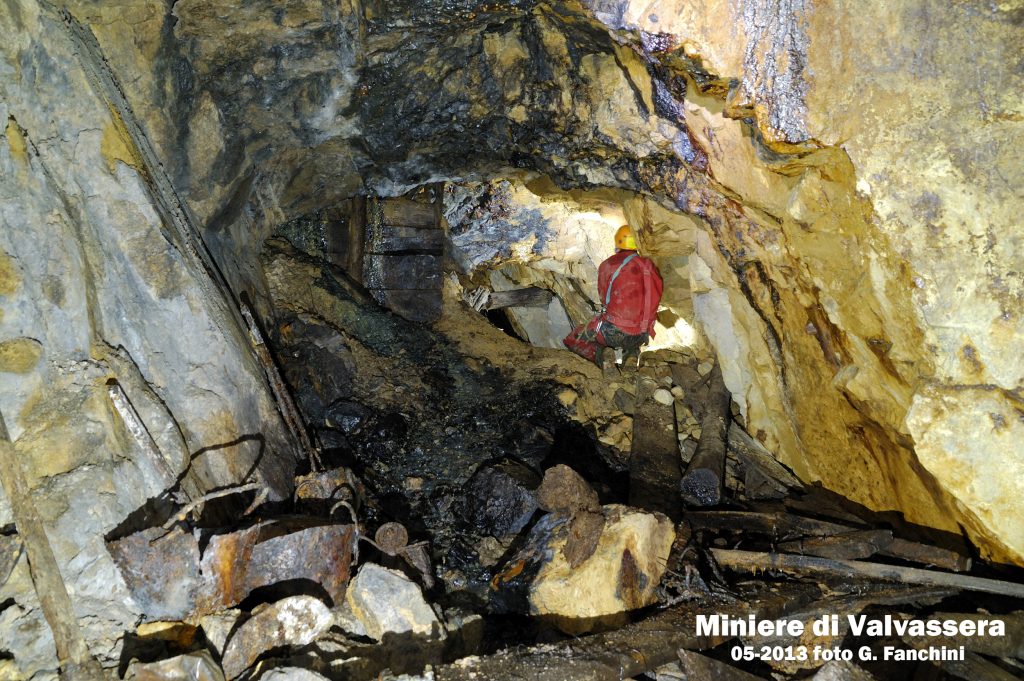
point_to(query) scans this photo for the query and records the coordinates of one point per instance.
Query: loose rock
(563, 490)
(217, 627)
(293, 621)
(386, 601)
(197, 666)
(663, 396)
(501, 498)
(620, 575)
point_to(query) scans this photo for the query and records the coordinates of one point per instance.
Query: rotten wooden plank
(520, 297)
(1009, 645)
(402, 212)
(703, 668)
(703, 483)
(356, 240)
(764, 476)
(654, 470)
(627, 652)
(852, 545)
(388, 239)
(402, 272)
(279, 389)
(929, 555)
(758, 561)
(780, 526)
(416, 306)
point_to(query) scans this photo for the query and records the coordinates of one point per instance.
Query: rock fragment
(292, 621)
(501, 498)
(386, 601)
(620, 575)
(217, 628)
(563, 490)
(292, 674)
(198, 666)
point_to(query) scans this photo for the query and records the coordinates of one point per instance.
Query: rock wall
(95, 285)
(931, 138)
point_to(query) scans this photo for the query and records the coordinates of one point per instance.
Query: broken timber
(827, 539)
(403, 255)
(520, 297)
(73, 656)
(289, 412)
(758, 561)
(654, 454)
(704, 481)
(624, 653)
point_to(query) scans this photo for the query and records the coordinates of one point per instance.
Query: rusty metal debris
(161, 570)
(333, 485)
(391, 538)
(217, 494)
(166, 574)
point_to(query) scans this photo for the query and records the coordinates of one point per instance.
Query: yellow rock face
(971, 439)
(882, 270)
(10, 279)
(20, 356)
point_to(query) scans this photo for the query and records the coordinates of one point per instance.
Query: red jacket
(635, 293)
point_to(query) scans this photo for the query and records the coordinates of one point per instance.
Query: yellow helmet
(624, 239)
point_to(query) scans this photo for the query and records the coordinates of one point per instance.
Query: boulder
(620, 575)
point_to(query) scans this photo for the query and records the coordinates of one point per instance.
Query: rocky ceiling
(845, 179)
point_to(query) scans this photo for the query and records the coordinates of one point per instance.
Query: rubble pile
(556, 557)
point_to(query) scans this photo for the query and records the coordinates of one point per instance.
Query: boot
(606, 360)
(630, 360)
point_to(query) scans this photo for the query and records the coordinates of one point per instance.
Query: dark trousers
(586, 339)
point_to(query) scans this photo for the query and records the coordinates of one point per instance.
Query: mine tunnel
(283, 386)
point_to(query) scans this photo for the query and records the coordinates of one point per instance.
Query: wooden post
(703, 483)
(76, 663)
(356, 239)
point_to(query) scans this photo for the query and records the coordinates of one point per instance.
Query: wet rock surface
(502, 498)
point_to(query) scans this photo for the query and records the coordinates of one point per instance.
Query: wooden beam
(758, 561)
(704, 481)
(654, 470)
(73, 656)
(356, 239)
(520, 297)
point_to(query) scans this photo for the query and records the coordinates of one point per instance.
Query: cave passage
(283, 294)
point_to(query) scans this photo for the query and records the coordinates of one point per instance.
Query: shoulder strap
(611, 282)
